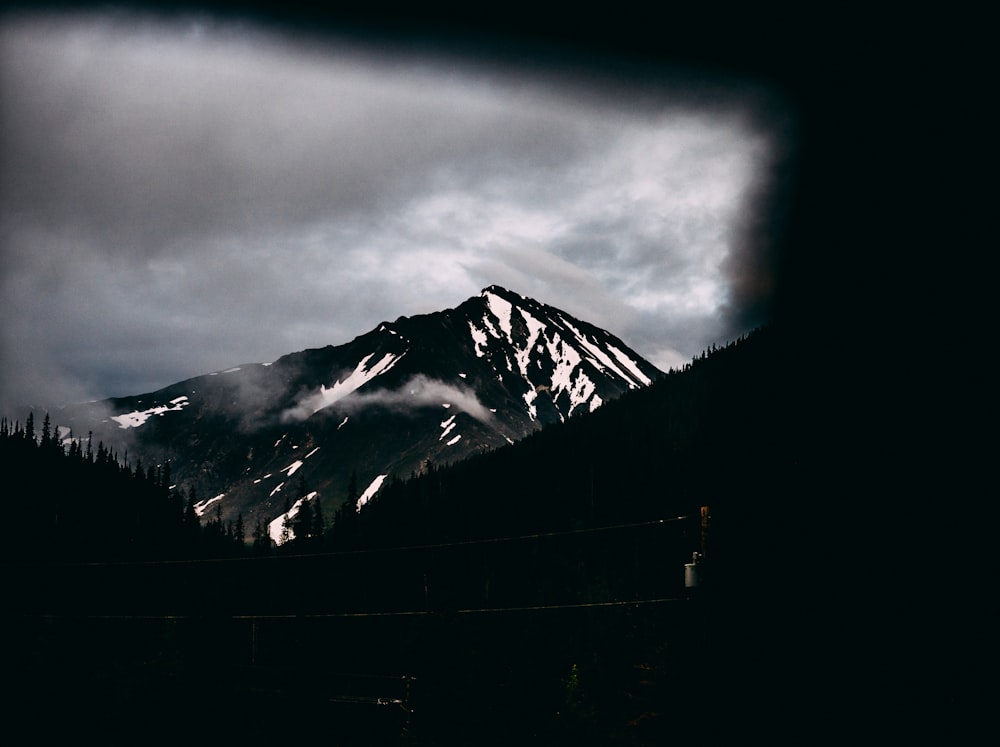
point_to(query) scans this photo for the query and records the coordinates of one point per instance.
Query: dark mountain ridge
(717, 433)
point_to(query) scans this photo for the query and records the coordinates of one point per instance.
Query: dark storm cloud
(153, 139)
(180, 197)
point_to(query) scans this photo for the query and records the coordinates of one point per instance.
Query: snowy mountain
(255, 440)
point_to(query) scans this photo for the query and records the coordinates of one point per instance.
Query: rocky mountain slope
(336, 422)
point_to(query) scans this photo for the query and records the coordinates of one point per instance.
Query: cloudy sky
(181, 195)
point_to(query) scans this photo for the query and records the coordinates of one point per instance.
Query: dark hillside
(718, 434)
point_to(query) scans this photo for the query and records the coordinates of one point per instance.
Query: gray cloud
(182, 197)
(154, 138)
(417, 393)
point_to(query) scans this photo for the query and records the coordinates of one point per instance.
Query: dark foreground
(471, 644)
(633, 674)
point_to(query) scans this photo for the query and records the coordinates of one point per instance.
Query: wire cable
(367, 551)
(397, 613)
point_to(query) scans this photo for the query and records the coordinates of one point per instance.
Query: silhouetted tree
(46, 432)
(239, 530)
(345, 521)
(319, 523)
(261, 540)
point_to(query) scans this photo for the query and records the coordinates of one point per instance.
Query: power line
(343, 615)
(368, 551)
(578, 605)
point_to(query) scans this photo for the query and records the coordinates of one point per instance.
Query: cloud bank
(181, 196)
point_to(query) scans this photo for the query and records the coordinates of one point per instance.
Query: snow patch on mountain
(523, 355)
(447, 426)
(501, 309)
(529, 402)
(371, 490)
(138, 417)
(567, 377)
(324, 397)
(280, 530)
(631, 365)
(201, 507)
(479, 340)
(603, 362)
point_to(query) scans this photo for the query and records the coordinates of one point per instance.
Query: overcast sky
(181, 196)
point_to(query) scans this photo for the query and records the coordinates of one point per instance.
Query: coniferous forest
(535, 593)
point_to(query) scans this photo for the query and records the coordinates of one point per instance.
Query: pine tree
(352, 490)
(190, 514)
(286, 532)
(319, 523)
(345, 521)
(261, 540)
(239, 531)
(74, 448)
(46, 432)
(302, 524)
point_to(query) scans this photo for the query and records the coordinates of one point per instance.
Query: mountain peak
(498, 289)
(439, 386)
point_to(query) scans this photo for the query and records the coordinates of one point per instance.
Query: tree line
(79, 501)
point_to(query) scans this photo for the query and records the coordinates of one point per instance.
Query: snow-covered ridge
(501, 309)
(565, 345)
(138, 417)
(603, 362)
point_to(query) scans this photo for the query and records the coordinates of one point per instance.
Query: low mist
(417, 393)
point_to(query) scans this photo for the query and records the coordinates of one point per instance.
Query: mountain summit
(335, 422)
